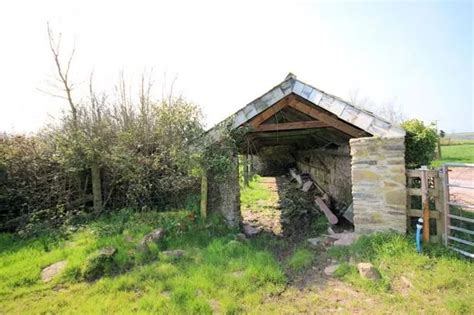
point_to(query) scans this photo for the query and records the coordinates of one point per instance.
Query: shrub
(420, 143)
(143, 156)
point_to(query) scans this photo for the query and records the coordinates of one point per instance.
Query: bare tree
(63, 72)
(67, 88)
(388, 110)
(358, 100)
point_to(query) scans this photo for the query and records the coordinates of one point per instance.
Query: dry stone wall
(379, 184)
(331, 169)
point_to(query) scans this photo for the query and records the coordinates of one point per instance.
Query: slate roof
(345, 111)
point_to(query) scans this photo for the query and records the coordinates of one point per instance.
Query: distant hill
(460, 136)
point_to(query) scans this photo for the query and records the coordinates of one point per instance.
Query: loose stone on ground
(368, 271)
(48, 273)
(329, 270)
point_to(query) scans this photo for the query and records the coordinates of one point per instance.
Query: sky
(222, 55)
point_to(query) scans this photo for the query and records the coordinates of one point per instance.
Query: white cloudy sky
(226, 53)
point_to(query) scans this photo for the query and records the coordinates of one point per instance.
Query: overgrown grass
(221, 275)
(438, 275)
(301, 259)
(217, 274)
(461, 153)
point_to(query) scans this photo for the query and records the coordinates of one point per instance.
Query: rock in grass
(345, 239)
(240, 237)
(99, 264)
(329, 270)
(250, 231)
(176, 253)
(154, 236)
(368, 271)
(402, 285)
(315, 241)
(48, 273)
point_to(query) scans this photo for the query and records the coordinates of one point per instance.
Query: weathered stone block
(396, 197)
(378, 188)
(361, 175)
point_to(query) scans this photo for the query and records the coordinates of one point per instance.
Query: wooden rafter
(272, 110)
(291, 126)
(324, 117)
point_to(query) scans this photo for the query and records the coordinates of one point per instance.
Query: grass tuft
(301, 259)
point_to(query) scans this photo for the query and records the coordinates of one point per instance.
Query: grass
(221, 275)
(460, 153)
(263, 275)
(217, 274)
(301, 259)
(438, 275)
(255, 193)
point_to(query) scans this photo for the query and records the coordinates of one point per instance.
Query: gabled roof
(358, 117)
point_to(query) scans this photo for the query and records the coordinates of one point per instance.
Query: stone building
(354, 155)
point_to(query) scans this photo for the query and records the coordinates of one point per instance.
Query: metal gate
(458, 192)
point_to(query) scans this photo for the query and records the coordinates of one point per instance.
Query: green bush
(143, 156)
(420, 143)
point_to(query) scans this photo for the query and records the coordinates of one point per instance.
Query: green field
(459, 153)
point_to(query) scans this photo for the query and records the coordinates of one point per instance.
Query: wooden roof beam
(291, 126)
(272, 110)
(324, 117)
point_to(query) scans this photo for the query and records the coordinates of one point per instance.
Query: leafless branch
(55, 46)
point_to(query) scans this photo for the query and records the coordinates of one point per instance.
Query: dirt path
(310, 290)
(265, 213)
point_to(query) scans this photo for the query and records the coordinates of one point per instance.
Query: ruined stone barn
(352, 154)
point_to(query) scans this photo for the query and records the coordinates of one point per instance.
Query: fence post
(446, 204)
(425, 204)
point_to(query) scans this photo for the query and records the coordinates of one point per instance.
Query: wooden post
(246, 170)
(96, 187)
(446, 221)
(204, 195)
(439, 207)
(425, 205)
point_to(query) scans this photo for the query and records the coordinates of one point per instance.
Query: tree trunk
(96, 187)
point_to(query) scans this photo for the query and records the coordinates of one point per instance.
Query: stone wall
(331, 169)
(379, 184)
(224, 193)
